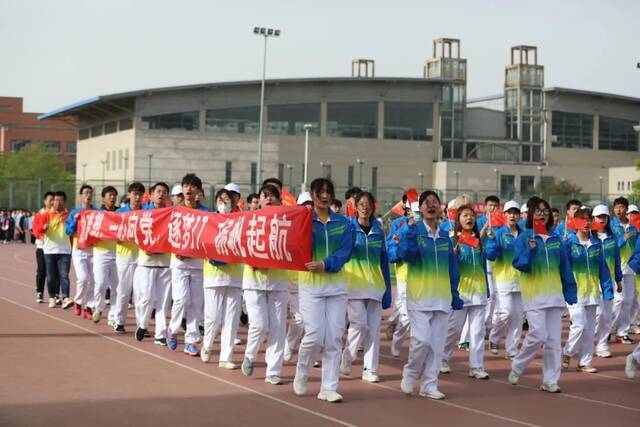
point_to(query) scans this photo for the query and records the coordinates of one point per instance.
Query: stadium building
(381, 133)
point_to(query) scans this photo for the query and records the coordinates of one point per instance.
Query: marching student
(604, 312)
(524, 212)
(623, 301)
(126, 261)
(186, 282)
(152, 280)
(591, 273)
(509, 311)
(323, 294)
(295, 331)
(253, 202)
(265, 292)
(82, 258)
(41, 269)
(432, 290)
(473, 290)
(105, 274)
(491, 204)
(234, 190)
(571, 207)
(547, 285)
(632, 361)
(222, 300)
(57, 249)
(369, 285)
(176, 195)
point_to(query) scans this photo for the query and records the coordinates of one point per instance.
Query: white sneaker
(479, 374)
(300, 386)
(433, 394)
(603, 353)
(550, 388)
(330, 396)
(52, 303)
(630, 367)
(406, 386)
(227, 365)
(273, 380)
(370, 377)
(205, 355)
(445, 368)
(513, 378)
(67, 302)
(345, 364)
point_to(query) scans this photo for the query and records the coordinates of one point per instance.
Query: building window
(527, 185)
(326, 170)
(110, 127)
(507, 186)
(408, 120)
(628, 185)
(374, 179)
(452, 122)
(233, 120)
(120, 159)
(113, 160)
(72, 147)
(185, 121)
(353, 119)
(254, 176)
(125, 124)
(108, 162)
(70, 167)
(531, 153)
(350, 176)
(290, 119)
(572, 130)
(281, 172)
(84, 134)
(617, 134)
(51, 146)
(227, 172)
(96, 131)
(19, 144)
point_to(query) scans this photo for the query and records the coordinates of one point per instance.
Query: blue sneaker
(191, 350)
(172, 342)
(247, 367)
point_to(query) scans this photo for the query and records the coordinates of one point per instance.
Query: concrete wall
(95, 150)
(621, 180)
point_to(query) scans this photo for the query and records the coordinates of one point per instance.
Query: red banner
(273, 237)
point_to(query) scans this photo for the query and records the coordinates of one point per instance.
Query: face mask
(223, 208)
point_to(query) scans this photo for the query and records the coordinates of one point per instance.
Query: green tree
(34, 162)
(552, 187)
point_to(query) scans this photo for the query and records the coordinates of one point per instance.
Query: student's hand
(619, 287)
(45, 227)
(627, 236)
(315, 266)
(411, 221)
(456, 249)
(490, 233)
(533, 244)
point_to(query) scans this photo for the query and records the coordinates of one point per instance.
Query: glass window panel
(447, 127)
(353, 119)
(227, 172)
(290, 119)
(71, 147)
(52, 146)
(110, 127)
(458, 150)
(20, 144)
(536, 153)
(96, 131)
(281, 171)
(507, 186)
(526, 153)
(617, 134)
(185, 121)
(84, 133)
(572, 130)
(70, 167)
(126, 124)
(374, 177)
(350, 176)
(407, 120)
(527, 186)
(233, 120)
(446, 150)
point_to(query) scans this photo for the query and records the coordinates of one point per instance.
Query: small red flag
(539, 227)
(634, 219)
(288, 199)
(497, 219)
(578, 224)
(468, 239)
(597, 226)
(351, 209)
(569, 223)
(452, 214)
(398, 209)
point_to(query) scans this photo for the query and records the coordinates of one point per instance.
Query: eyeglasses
(542, 212)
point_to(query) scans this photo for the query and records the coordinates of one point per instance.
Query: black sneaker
(244, 319)
(160, 341)
(39, 297)
(140, 333)
(119, 329)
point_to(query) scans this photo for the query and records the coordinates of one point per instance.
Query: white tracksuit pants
(475, 315)
(604, 319)
(83, 266)
(489, 317)
(545, 328)
(622, 302)
(428, 334)
(125, 287)
(188, 302)
(152, 291)
(105, 275)
(365, 316)
(324, 322)
(295, 330)
(509, 315)
(222, 305)
(581, 333)
(267, 312)
(402, 323)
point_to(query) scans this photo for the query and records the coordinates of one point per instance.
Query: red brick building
(19, 130)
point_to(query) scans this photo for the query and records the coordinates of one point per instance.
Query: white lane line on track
(189, 368)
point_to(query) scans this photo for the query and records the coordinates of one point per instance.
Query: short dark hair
(47, 194)
(532, 205)
(621, 201)
(352, 192)
(273, 181)
(84, 187)
(372, 200)
(404, 197)
(426, 194)
(573, 202)
(159, 184)
(555, 210)
(136, 186)
(252, 196)
(270, 189)
(60, 194)
(337, 203)
(222, 191)
(491, 198)
(319, 183)
(192, 179)
(583, 213)
(109, 189)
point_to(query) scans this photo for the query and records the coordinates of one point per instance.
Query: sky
(54, 53)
